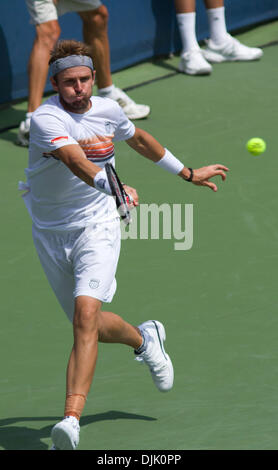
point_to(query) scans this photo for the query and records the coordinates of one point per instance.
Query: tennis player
(76, 227)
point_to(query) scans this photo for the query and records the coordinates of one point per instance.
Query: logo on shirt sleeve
(62, 138)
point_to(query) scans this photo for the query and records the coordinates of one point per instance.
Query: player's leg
(114, 329)
(147, 340)
(192, 61)
(95, 23)
(83, 357)
(80, 371)
(222, 46)
(89, 326)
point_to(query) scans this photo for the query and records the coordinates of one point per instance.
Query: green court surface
(218, 300)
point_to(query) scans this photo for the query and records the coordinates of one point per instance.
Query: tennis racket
(119, 193)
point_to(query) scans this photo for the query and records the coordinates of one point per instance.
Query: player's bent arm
(149, 147)
(75, 159)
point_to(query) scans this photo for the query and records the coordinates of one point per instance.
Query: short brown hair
(68, 47)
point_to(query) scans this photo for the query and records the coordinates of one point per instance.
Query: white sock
(217, 24)
(187, 28)
(106, 91)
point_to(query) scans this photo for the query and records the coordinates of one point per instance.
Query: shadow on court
(25, 438)
(164, 63)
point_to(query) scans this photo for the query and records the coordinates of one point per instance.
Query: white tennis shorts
(80, 262)
(42, 11)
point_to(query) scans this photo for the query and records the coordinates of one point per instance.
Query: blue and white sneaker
(154, 355)
(65, 434)
(230, 50)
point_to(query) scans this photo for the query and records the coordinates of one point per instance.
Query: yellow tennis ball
(256, 146)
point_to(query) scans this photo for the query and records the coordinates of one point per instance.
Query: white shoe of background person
(23, 131)
(194, 63)
(230, 50)
(65, 434)
(154, 355)
(131, 109)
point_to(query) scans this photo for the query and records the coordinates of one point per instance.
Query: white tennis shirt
(59, 199)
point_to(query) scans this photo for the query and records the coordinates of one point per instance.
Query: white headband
(70, 61)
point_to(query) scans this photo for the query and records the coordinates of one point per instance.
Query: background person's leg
(222, 47)
(95, 34)
(192, 61)
(47, 35)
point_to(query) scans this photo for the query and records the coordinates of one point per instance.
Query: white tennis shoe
(155, 357)
(65, 434)
(194, 63)
(131, 109)
(230, 50)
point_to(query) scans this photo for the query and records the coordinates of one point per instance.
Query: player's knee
(86, 317)
(48, 34)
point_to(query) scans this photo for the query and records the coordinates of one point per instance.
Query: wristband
(101, 183)
(170, 163)
(190, 177)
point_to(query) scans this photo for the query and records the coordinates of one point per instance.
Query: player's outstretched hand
(201, 176)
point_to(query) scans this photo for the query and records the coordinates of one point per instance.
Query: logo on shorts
(94, 283)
